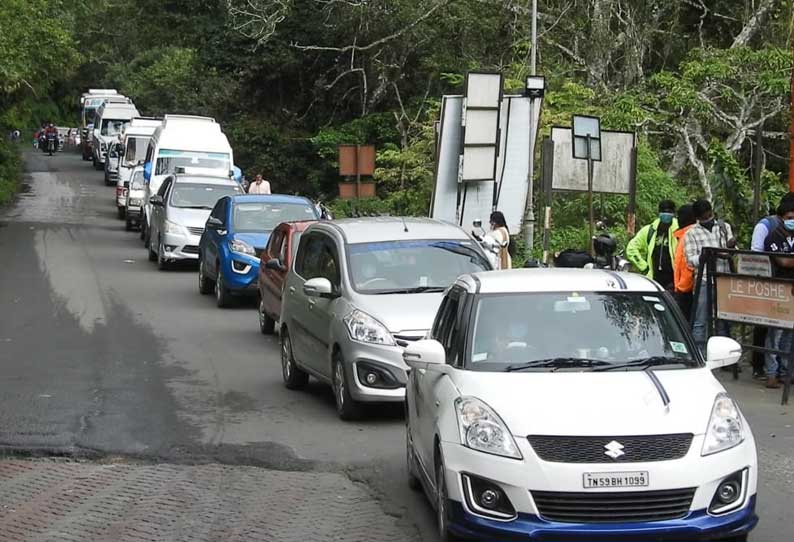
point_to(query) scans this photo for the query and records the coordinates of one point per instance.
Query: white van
(109, 122)
(184, 141)
(134, 143)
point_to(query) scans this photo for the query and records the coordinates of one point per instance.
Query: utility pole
(529, 211)
(791, 136)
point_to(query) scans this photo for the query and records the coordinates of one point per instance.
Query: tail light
(121, 192)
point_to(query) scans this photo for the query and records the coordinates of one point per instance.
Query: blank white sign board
(612, 175)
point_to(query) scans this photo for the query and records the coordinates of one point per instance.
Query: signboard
(753, 264)
(356, 160)
(611, 175)
(445, 189)
(760, 301)
(480, 119)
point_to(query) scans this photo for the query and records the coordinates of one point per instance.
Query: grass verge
(10, 170)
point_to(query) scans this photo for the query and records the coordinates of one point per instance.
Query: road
(104, 358)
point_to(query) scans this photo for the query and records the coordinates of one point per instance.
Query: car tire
(266, 324)
(162, 263)
(410, 462)
(98, 166)
(127, 224)
(347, 407)
(294, 377)
(206, 286)
(121, 212)
(152, 253)
(442, 503)
(222, 296)
(142, 234)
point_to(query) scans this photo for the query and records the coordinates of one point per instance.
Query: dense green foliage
(10, 170)
(292, 79)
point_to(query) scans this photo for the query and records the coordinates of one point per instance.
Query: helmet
(604, 245)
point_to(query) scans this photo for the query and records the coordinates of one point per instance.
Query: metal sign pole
(590, 193)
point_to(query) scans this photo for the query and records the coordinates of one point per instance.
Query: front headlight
(136, 202)
(483, 430)
(364, 328)
(725, 429)
(103, 146)
(241, 247)
(172, 227)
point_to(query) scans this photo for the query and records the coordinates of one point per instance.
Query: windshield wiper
(645, 363)
(416, 290)
(557, 363)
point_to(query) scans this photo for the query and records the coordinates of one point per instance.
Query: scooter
(52, 145)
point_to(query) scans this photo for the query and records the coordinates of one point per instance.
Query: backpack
(572, 258)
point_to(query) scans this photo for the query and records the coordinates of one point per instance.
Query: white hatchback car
(569, 404)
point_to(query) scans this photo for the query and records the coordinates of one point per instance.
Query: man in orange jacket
(683, 275)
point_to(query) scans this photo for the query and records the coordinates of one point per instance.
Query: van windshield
(422, 265)
(200, 195)
(576, 331)
(112, 127)
(167, 160)
(136, 149)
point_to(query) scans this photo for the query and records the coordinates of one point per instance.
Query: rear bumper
(697, 526)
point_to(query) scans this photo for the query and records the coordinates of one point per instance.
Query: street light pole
(529, 212)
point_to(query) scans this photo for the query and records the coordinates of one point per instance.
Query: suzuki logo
(614, 449)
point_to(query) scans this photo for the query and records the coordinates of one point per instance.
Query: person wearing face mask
(780, 239)
(707, 232)
(652, 250)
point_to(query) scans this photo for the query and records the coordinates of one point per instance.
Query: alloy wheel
(339, 386)
(286, 358)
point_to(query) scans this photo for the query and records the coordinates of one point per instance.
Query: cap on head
(666, 206)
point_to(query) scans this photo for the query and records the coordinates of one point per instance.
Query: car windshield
(577, 331)
(200, 195)
(259, 217)
(411, 266)
(167, 160)
(112, 127)
(136, 149)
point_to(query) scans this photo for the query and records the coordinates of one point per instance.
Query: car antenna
(405, 226)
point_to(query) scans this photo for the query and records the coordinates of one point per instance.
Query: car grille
(631, 506)
(405, 340)
(190, 249)
(195, 231)
(592, 449)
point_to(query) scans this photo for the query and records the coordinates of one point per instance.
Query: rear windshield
(261, 217)
(168, 159)
(112, 127)
(199, 195)
(136, 149)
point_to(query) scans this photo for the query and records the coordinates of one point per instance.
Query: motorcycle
(607, 256)
(52, 144)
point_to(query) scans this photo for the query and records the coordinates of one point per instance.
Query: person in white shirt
(259, 186)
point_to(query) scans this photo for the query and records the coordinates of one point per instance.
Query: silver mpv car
(360, 290)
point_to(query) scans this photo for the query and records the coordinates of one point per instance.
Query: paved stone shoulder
(48, 500)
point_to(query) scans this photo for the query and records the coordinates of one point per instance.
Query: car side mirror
(274, 264)
(156, 200)
(426, 354)
(214, 223)
(318, 287)
(722, 352)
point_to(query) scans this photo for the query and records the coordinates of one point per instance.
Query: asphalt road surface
(102, 356)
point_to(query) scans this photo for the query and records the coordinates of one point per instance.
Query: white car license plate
(593, 480)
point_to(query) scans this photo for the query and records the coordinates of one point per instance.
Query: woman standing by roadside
(500, 232)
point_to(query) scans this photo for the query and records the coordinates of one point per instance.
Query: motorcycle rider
(51, 134)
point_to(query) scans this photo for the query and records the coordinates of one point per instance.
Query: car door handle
(311, 304)
(292, 289)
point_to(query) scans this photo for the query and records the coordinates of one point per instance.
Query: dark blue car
(235, 235)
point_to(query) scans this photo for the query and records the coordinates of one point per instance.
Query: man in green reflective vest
(652, 250)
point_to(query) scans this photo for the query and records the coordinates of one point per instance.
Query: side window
(274, 243)
(447, 328)
(150, 152)
(164, 188)
(282, 248)
(217, 211)
(308, 256)
(330, 263)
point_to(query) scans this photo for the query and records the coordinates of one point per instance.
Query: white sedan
(573, 404)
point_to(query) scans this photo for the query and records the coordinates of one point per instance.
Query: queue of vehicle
(540, 404)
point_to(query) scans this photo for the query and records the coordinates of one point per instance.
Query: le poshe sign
(759, 301)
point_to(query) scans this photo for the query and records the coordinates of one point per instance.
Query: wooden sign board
(759, 301)
(356, 160)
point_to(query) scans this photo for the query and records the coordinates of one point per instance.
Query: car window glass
(217, 211)
(274, 243)
(282, 249)
(319, 259)
(164, 188)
